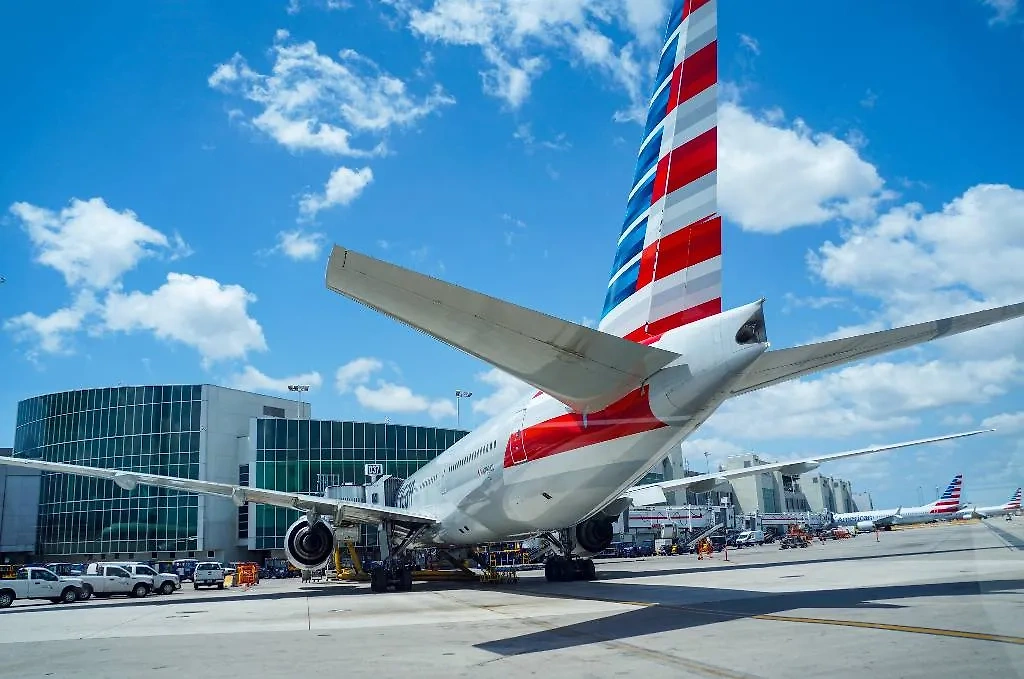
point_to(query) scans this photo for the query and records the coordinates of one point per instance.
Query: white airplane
(1010, 507)
(611, 401)
(944, 508)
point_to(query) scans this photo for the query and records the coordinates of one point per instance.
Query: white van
(749, 538)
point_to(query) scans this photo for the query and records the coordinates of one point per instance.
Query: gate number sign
(374, 469)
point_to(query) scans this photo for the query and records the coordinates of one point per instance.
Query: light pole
(300, 388)
(459, 395)
(707, 461)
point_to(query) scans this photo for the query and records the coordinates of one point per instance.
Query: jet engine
(309, 547)
(865, 526)
(593, 536)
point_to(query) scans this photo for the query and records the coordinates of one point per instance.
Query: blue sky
(174, 175)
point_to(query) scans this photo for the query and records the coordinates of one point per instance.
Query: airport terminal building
(201, 432)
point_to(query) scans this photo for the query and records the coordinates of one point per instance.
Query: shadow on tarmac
(670, 611)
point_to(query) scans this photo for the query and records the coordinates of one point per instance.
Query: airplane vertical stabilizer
(667, 270)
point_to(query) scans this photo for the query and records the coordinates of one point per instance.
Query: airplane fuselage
(541, 467)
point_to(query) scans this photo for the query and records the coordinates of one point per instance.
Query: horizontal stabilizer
(773, 367)
(340, 511)
(702, 483)
(584, 368)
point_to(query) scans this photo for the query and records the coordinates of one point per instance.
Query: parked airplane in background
(946, 507)
(1010, 507)
(610, 401)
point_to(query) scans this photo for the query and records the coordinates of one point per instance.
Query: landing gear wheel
(551, 570)
(378, 580)
(405, 580)
(587, 570)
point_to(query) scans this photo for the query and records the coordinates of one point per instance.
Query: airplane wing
(773, 367)
(650, 493)
(889, 520)
(584, 368)
(340, 511)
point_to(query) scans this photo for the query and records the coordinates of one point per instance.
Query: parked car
(106, 579)
(40, 583)
(208, 574)
(163, 583)
(184, 568)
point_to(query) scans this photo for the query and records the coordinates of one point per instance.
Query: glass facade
(152, 429)
(304, 456)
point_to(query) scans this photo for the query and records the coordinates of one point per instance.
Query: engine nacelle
(593, 536)
(309, 548)
(865, 526)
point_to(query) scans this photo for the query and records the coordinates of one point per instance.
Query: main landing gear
(391, 573)
(564, 566)
(565, 569)
(395, 571)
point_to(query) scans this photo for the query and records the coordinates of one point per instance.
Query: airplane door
(517, 442)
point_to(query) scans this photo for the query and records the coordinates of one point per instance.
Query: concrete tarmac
(940, 601)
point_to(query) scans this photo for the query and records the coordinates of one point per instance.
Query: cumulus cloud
(50, 334)
(299, 245)
(775, 175)
(356, 372)
(865, 398)
(251, 379)
(1003, 11)
(311, 102)
(343, 186)
(1005, 423)
(92, 244)
(512, 34)
(394, 398)
(506, 392)
(196, 311)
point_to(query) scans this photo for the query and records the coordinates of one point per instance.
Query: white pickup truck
(103, 580)
(163, 583)
(40, 583)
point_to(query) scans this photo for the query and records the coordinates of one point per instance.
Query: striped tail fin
(1014, 502)
(950, 499)
(667, 270)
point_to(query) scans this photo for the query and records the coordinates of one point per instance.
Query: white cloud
(1004, 11)
(507, 392)
(251, 379)
(343, 186)
(750, 43)
(196, 311)
(313, 102)
(356, 372)
(295, 6)
(92, 244)
(299, 245)
(511, 34)
(524, 134)
(50, 334)
(394, 398)
(864, 398)
(775, 176)
(869, 100)
(1005, 423)
(975, 244)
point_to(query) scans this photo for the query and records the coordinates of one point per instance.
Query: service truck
(103, 580)
(40, 583)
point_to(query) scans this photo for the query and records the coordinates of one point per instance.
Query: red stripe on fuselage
(691, 161)
(676, 320)
(629, 415)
